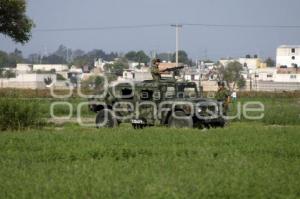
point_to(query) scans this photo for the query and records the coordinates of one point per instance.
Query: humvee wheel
(138, 126)
(182, 122)
(105, 119)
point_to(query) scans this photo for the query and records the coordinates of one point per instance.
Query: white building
(290, 75)
(49, 67)
(24, 68)
(137, 75)
(134, 65)
(100, 63)
(250, 63)
(264, 74)
(27, 81)
(288, 56)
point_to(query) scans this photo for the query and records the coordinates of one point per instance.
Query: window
(127, 93)
(256, 75)
(269, 75)
(190, 92)
(293, 50)
(293, 57)
(293, 77)
(170, 93)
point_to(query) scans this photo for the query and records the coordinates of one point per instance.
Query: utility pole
(177, 27)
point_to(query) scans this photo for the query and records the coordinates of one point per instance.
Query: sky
(199, 42)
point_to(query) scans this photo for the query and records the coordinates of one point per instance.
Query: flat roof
(289, 46)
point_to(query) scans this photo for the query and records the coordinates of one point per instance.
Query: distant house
(288, 56)
(287, 75)
(137, 75)
(28, 81)
(283, 75)
(100, 63)
(248, 63)
(50, 67)
(24, 68)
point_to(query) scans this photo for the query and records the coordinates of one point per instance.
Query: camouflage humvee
(165, 102)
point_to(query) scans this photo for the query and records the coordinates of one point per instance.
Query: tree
(232, 75)
(10, 59)
(182, 57)
(248, 56)
(270, 62)
(13, 20)
(139, 56)
(165, 56)
(3, 59)
(54, 59)
(118, 67)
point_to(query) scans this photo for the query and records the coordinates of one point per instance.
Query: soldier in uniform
(223, 95)
(155, 70)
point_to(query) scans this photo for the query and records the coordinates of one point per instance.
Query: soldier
(155, 70)
(223, 95)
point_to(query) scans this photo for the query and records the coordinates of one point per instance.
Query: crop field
(241, 161)
(246, 159)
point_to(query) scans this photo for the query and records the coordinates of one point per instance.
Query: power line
(244, 26)
(74, 29)
(102, 28)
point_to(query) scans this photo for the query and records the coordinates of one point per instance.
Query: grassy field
(244, 160)
(247, 159)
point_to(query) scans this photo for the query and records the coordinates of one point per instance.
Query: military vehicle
(165, 102)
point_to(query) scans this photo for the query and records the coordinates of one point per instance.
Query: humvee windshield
(187, 91)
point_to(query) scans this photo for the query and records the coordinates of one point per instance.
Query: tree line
(80, 58)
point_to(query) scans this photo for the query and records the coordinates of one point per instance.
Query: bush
(16, 114)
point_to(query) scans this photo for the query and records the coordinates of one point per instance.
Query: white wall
(287, 78)
(189, 77)
(285, 56)
(49, 67)
(28, 81)
(264, 74)
(24, 68)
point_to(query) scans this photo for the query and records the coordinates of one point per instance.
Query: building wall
(287, 56)
(287, 78)
(192, 77)
(29, 81)
(252, 63)
(24, 68)
(49, 67)
(265, 74)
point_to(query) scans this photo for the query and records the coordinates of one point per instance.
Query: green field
(240, 161)
(247, 159)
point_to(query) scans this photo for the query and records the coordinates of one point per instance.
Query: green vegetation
(247, 159)
(255, 162)
(232, 75)
(17, 115)
(14, 22)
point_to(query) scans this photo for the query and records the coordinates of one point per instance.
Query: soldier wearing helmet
(155, 70)
(223, 96)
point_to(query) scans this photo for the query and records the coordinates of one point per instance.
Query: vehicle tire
(109, 122)
(181, 122)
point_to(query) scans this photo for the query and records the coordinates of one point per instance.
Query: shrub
(16, 114)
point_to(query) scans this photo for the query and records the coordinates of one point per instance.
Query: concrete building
(288, 56)
(27, 81)
(100, 63)
(24, 68)
(49, 67)
(249, 63)
(289, 75)
(263, 74)
(137, 75)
